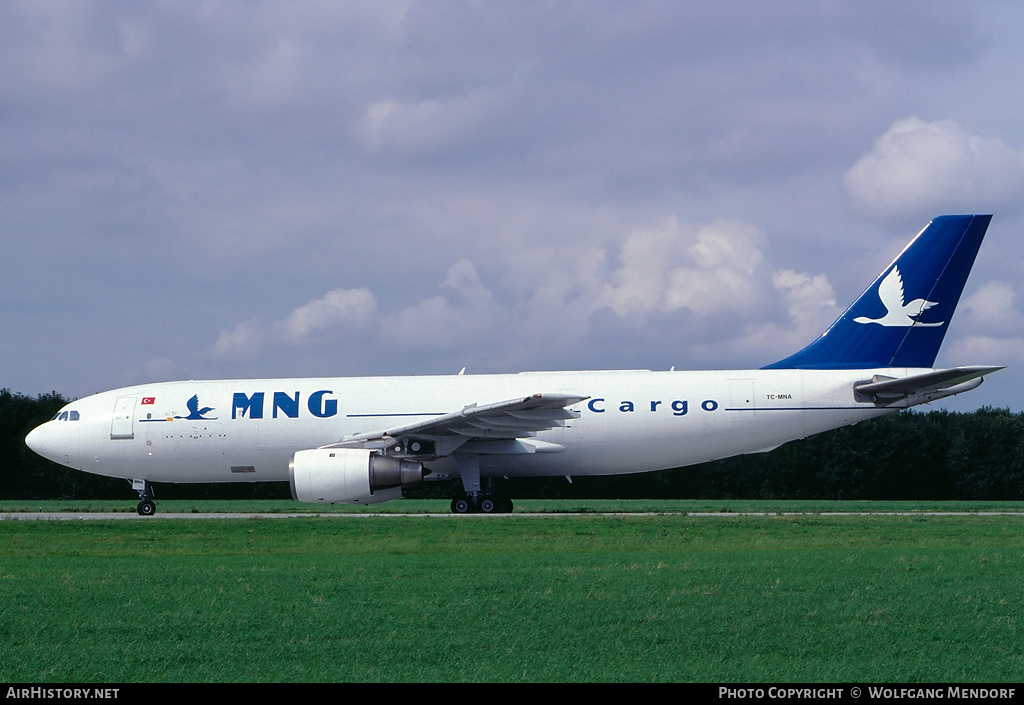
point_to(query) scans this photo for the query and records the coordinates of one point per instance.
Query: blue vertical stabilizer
(901, 319)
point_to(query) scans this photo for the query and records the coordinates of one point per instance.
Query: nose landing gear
(146, 506)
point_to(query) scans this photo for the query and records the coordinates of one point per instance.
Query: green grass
(591, 598)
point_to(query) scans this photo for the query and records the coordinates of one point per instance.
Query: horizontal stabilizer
(927, 386)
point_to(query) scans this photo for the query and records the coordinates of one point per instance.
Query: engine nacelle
(330, 475)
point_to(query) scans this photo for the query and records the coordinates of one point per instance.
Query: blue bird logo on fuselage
(195, 413)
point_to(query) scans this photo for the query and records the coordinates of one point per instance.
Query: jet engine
(330, 475)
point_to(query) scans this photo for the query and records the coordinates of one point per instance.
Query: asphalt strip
(86, 516)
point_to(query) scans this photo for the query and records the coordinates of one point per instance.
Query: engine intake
(339, 475)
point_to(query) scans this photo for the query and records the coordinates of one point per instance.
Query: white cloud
(932, 168)
(992, 307)
(714, 269)
(639, 284)
(422, 127)
(810, 300)
(352, 308)
(466, 314)
(810, 306)
(715, 276)
(242, 339)
(337, 309)
(995, 328)
(726, 277)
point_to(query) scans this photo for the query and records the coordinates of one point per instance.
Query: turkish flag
(148, 400)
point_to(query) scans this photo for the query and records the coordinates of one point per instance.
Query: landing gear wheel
(461, 505)
(146, 506)
(488, 506)
(505, 506)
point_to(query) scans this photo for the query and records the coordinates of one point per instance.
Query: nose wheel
(146, 506)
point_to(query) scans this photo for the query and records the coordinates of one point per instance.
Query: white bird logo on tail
(897, 313)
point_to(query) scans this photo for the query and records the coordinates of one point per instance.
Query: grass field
(576, 598)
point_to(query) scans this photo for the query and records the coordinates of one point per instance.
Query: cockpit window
(63, 416)
(70, 415)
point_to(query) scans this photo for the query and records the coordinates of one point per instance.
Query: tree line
(934, 455)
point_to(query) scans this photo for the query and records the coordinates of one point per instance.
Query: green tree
(22, 472)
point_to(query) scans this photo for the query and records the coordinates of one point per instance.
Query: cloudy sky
(241, 189)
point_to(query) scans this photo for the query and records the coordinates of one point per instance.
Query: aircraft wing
(498, 428)
(927, 386)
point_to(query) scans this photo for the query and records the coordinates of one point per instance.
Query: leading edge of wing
(514, 418)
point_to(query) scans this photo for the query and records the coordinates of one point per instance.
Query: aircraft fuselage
(630, 421)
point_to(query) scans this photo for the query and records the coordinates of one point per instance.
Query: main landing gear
(483, 504)
(146, 506)
(479, 496)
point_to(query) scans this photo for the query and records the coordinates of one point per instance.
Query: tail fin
(901, 319)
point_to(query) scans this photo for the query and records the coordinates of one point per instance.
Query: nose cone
(44, 442)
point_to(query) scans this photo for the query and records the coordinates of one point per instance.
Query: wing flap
(497, 423)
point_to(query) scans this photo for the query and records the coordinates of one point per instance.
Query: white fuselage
(630, 421)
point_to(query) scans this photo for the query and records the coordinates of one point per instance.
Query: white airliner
(362, 440)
